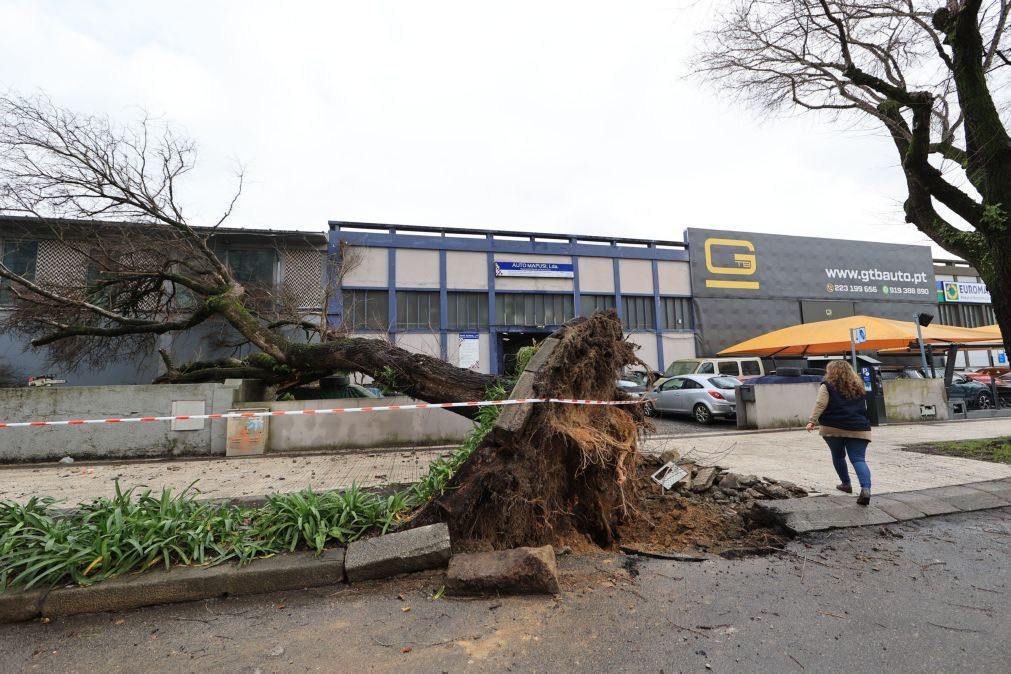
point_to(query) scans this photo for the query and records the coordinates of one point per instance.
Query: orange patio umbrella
(833, 337)
(991, 331)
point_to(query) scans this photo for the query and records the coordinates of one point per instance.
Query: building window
(417, 310)
(676, 313)
(19, 257)
(966, 315)
(532, 309)
(467, 311)
(590, 303)
(252, 266)
(366, 310)
(637, 313)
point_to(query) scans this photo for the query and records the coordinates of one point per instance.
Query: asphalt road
(684, 425)
(929, 595)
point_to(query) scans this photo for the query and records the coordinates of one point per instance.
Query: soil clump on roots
(552, 471)
(571, 475)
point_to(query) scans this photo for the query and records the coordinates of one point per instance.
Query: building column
(443, 307)
(658, 316)
(391, 294)
(492, 334)
(617, 283)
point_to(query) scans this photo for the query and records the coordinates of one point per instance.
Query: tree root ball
(568, 472)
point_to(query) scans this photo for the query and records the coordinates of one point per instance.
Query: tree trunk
(552, 472)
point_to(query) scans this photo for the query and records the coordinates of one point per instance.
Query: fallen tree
(545, 472)
(145, 270)
(552, 472)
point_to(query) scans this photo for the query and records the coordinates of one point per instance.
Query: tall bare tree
(154, 272)
(934, 77)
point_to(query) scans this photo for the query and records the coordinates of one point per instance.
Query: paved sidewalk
(803, 458)
(796, 456)
(219, 478)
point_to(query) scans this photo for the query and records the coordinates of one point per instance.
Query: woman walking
(842, 411)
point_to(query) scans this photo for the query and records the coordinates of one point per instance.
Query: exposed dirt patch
(688, 522)
(997, 450)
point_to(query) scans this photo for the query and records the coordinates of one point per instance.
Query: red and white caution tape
(333, 410)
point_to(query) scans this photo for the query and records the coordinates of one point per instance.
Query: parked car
(976, 395)
(742, 368)
(984, 373)
(704, 397)
(631, 387)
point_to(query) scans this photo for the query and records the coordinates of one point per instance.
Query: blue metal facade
(443, 240)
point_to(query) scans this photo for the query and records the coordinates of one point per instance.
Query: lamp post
(922, 320)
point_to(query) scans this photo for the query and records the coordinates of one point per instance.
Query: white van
(741, 368)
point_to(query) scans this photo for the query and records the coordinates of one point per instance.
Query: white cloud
(562, 117)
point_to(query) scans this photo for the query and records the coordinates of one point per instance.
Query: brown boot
(845, 487)
(865, 497)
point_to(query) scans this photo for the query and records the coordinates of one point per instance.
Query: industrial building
(474, 297)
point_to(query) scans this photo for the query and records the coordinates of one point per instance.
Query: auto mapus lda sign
(745, 284)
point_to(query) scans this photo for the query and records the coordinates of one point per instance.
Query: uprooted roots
(565, 471)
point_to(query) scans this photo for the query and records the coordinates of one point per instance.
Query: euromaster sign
(738, 264)
(962, 293)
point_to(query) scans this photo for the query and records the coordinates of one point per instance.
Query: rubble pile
(710, 510)
(724, 486)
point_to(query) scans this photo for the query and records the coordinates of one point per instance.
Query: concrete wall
(371, 268)
(636, 277)
(647, 347)
(777, 406)
(427, 343)
(677, 345)
(407, 428)
(417, 268)
(143, 439)
(903, 398)
(596, 275)
(675, 278)
(466, 270)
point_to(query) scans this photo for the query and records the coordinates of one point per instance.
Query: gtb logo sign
(722, 260)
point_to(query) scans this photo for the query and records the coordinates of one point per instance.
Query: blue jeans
(857, 450)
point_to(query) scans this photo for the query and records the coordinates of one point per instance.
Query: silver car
(705, 397)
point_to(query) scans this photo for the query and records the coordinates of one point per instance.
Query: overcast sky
(570, 117)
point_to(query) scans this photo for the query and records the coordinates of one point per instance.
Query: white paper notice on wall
(183, 408)
(469, 352)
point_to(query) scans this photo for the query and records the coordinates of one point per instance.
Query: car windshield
(725, 383)
(679, 367)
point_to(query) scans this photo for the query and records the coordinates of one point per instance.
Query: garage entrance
(509, 344)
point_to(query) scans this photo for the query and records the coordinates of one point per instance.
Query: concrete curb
(371, 559)
(185, 583)
(822, 513)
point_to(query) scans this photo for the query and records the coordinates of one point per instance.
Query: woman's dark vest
(848, 415)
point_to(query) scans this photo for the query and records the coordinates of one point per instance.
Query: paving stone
(837, 518)
(402, 552)
(897, 509)
(516, 571)
(803, 505)
(925, 503)
(729, 481)
(966, 498)
(999, 488)
(704, 479)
